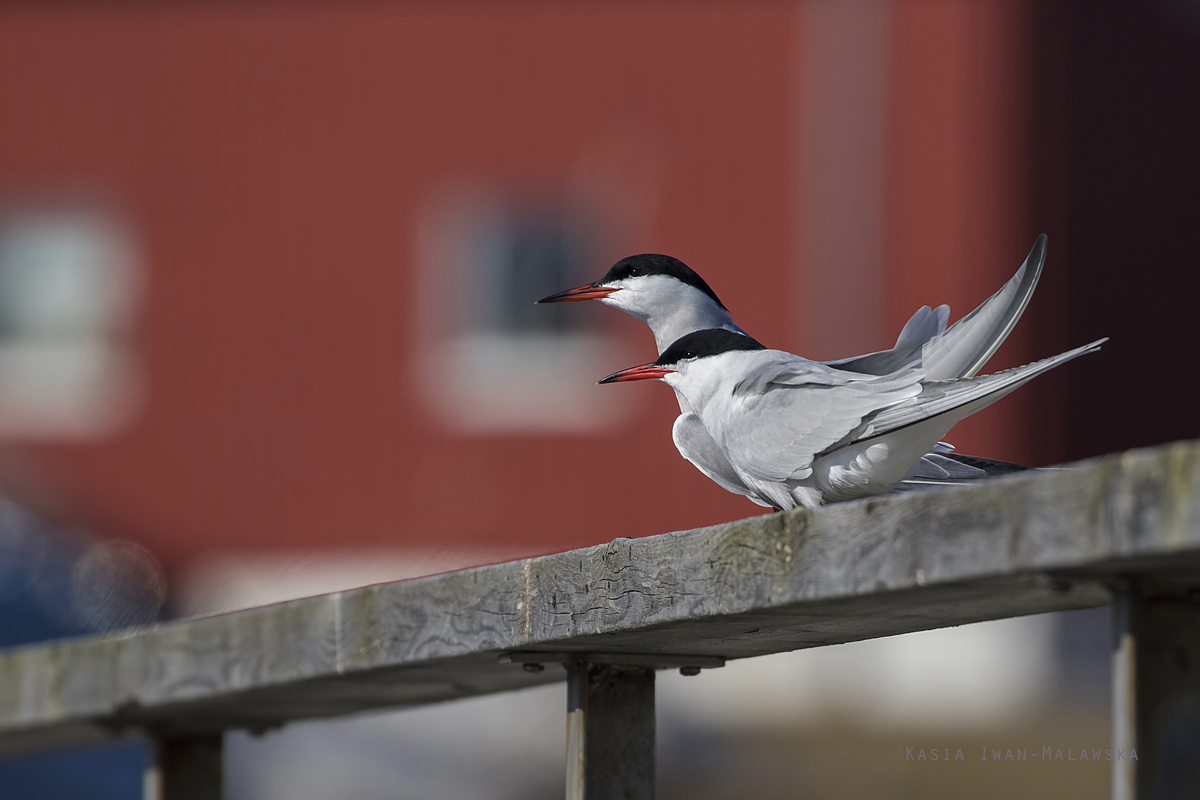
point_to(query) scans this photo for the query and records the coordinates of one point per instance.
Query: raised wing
(923, 326)
(962, 350)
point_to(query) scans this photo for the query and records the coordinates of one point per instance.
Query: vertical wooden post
(185, 768)
(1124, 696)
(610, 732)
(1156, 693)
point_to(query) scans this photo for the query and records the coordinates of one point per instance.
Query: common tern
(673, 301)
(800, 432)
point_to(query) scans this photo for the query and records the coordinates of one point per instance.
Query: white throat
(707, 384)
(669, 307)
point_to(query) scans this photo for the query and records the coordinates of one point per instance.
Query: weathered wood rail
(1125, 527)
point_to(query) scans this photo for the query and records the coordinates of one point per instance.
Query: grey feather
(963, 349)
(941, 397)
(694, 443)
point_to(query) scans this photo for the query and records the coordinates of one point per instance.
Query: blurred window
(493, 360)
(67, 286)
(514, 257)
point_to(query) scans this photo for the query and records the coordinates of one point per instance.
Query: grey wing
(923, 326)
(776, 431)
(965, 395)
(697, 446)
(962, 350)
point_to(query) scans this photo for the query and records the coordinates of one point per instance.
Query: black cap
(711, 342)
(657, 264)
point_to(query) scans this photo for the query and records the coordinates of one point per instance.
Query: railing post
(610, 732)
(185, 768)
(1124, 697)
(1156, 692)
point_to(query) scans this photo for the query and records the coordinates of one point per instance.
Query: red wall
(961, 185)
(275, 158)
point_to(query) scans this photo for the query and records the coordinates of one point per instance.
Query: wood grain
(1025, 544)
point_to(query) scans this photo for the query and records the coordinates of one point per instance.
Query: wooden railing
(1123, 529)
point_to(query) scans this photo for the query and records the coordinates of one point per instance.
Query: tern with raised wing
(800, 432)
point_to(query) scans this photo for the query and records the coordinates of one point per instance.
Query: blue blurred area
(110, 772)
(37, 562)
